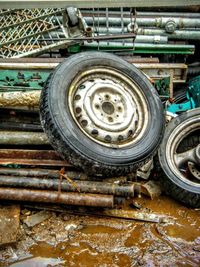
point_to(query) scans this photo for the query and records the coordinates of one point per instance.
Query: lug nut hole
(120, 138)
(77, 97)
(130, 132)
(108, 138)
(78, 110)
(94, 132)
(82, 86)
(84, 123)
(110, 119)
(107, 97)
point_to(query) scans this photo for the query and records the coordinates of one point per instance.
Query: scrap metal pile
(102, 115)
(29, 32)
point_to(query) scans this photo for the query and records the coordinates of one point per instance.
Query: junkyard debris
(9, 223)
(137, 215)
(37, 218)
(81, 199)
(151, 189)
(93, 187)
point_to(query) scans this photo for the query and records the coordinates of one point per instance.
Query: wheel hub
(109, 108)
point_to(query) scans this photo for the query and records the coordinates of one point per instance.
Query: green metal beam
(137, 48)
(4, 4)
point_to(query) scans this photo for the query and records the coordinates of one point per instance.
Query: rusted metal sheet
(31, 157)
(92, 187)
(9, 223)
(158, 70)
(79, 199)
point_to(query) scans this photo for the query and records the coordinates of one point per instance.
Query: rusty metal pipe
(41, 173)
(79, 199)
(13, 99)
(93, 187)
(23, 138)
(17, 126)
(31, 157)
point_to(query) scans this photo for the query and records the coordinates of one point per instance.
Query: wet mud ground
(73, 240)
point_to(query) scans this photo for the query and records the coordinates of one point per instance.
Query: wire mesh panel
(28, 32)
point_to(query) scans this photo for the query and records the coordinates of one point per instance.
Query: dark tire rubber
(172, 184)
(72, 144)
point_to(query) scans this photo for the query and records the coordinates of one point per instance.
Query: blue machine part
(192, 98)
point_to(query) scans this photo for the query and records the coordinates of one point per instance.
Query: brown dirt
(72, 240)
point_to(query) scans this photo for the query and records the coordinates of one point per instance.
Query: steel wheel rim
(181, 132)
(108, 107)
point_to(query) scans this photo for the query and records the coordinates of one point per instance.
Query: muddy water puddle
(72, 240)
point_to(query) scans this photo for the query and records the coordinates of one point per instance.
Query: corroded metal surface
(93, 200)
(9, 223)
(69, 186)
(17, 99)
(31, 157)
(22, 138)
(42, 173)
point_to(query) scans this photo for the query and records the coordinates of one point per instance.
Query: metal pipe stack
(164, 31)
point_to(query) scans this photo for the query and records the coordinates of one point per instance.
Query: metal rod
(29, 99)
(6, 4)
(144, 48)
(92, 187)
(23, 138)
(149, 22)
(168, 14)
(41, 173)
(178, 34)
(59, 60)
(53, 36)
(31, 158)
(13, 126)
(21, 194)
(104, 37)
(138, 39)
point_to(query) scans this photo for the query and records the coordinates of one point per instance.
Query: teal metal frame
(192, 96)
